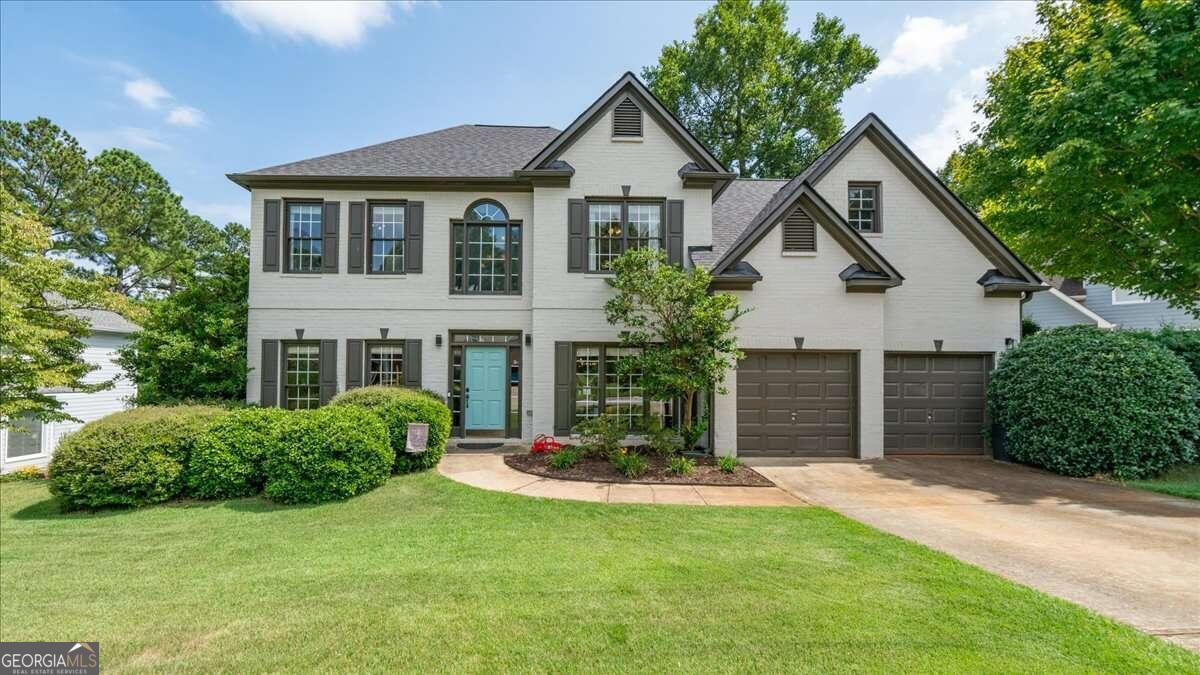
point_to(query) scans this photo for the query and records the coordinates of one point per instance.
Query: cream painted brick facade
(799, 296)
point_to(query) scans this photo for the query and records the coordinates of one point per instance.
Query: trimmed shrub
(398, 407)
(328, 454)
(1183, 342)
(1081, 401)
(229, 459)
(129, 458)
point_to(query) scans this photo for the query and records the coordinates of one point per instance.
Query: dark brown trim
(368, 248)
(285, 234)
(428, 183)
(509, 224)
(989, 367)
(877, 223)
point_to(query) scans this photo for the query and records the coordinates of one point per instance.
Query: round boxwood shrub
(328, 454)
(397, 407)
(129, 458)
(229, 459)
(1081, 401)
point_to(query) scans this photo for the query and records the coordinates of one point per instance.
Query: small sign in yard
(418, 438)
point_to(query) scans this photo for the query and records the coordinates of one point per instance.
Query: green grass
(427, 574)
(1182, 481)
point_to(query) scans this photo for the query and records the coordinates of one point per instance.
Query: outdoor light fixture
(1008, 343)
(528, 339)
(437, 339)
(937, 345)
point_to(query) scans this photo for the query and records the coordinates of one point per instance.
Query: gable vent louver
(799, 233)
(627, 120)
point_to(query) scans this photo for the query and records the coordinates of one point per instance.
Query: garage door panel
(934, 403)
(804, 406)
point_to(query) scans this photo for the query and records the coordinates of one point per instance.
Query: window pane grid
(587, 383)
(387, 238)
(302, 384)
(304, 237)
(605, 236)
(486, 265)
(645, 226)
(862, 208)
(487, 252)
(385, 365)
(623, 393)
(618, 394)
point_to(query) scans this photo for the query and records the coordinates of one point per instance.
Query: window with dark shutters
(799, 233)
(627, 120)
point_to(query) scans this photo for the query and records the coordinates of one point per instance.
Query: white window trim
(44, 445)
(1141, 299)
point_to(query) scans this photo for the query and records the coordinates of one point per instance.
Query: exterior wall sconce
(437, 340)
(1009, 342)
(528, 339)
(937, 345)
(799, 342)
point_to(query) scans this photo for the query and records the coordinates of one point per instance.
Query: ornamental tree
(684, 333)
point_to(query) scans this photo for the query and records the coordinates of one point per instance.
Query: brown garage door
(796, 403)
(934, 403)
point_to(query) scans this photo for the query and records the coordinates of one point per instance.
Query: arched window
(487, 251)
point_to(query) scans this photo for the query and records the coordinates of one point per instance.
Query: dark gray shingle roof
(465, 151)
(733, 212)
(104, 321)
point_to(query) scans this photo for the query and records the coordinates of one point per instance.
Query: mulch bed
(601, 470)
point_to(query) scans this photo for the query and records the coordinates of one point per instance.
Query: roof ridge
(512, 126)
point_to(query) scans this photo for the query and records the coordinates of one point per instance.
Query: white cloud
(148, 93)
(955, 124)
(337, 24)
(131, 138)
(185, 116)
(924, 43)
(1005, 20)
(219, 214)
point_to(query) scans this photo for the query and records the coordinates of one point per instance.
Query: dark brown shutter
(799, 233)
(354, 364)
(414, 236)
(627, 119)
(327, 375)
(357, 241)
(330, 215)
(675, 231)
(576, 234)
(271, 243)
(564, 375)
(412, 363)
(269, 370)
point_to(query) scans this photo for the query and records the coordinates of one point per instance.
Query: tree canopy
(41, 340)
(1088, 163)
(763, 99)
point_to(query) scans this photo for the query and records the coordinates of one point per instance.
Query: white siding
(101, 350)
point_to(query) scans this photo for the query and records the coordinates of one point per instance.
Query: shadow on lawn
(52, 508)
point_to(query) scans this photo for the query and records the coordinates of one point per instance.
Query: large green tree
(684, 334)
(41, 339)
(112, 213)
(192, 346)
(763, 99)
(1088, 163)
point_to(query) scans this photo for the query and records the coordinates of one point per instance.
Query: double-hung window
(385, 364)
(486, 251)
(387, 238)
(303, 237)
(600, 388)
(617, 226)
(302, 372)
(864, 206)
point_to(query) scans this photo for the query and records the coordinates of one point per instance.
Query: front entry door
(485, 388)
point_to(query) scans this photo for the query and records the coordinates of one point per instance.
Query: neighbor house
(473, 261)
(1073, 301)
(30, 442)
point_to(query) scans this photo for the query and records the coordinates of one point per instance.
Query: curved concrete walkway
(491, 473)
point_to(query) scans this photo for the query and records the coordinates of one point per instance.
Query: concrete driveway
(1128, 554)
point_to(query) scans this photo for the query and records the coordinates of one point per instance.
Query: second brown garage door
(934, 403)
(796, 403)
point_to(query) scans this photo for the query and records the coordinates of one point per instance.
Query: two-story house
(472, 261)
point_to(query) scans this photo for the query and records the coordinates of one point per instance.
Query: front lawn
(427, 574)
(1182, 481)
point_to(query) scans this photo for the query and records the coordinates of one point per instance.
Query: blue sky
(201, 89)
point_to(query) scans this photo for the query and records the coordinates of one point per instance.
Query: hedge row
(1082, 401)
(154, 454)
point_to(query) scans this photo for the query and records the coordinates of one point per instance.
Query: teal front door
(485, 388)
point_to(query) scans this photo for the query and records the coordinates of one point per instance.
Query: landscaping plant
(663, 440)
(229, 459)
(681, 465)
(630, 463)
(397, 407)
(1081, 401)
(328, 454)
(564, 459)
(728, 463)
(129, 458)
(601, 436)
